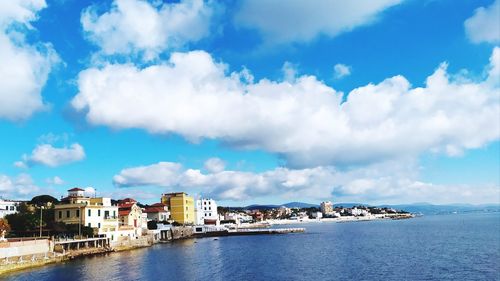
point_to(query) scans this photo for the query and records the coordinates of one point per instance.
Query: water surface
(445, 247)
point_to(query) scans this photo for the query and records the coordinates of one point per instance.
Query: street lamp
(41, 208)
(80, 223)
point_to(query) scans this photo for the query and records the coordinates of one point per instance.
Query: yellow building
(181, 207)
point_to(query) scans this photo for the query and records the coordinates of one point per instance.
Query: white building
(206, 212)
(157, 212)
(317, 215)
(326, 207)
(8, 207)
(358, 212)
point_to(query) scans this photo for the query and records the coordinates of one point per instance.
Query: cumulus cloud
(146, 27)
(20, 187)
(214, 165)
(55, 181)
(341, 70)
(302, 119)
(388, 182)
(484, 25)
(48, 155)
(24, 68)
(302, 21)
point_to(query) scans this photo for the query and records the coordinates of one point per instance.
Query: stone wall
(181, 232)
(25, 248)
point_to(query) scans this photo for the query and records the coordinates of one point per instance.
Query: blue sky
(389, 101)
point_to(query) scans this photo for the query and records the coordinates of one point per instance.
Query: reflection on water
(459, 247)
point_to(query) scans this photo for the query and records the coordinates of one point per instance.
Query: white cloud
(214, 165)
(341, 70)
(48, 155)
(163, 173)
(90, 191)
(142, 27)
(302, 21)
(55, 181)
(484, 25)
(20, 187)
(388, 182)
(24, 68)
(302, 120)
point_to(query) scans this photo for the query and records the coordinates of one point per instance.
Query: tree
(42, 200)
(4, 228)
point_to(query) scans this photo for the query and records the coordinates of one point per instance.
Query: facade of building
(326, 207)
(206, 212)
(157, 212)
(8, 207)
(358, 212)
(181, 207)
(97, 213)
(317, 215)
(130, 216)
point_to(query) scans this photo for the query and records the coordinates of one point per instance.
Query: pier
(248, 231)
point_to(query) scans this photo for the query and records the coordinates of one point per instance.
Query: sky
(380, 102)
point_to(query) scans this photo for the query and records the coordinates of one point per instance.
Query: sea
(433, 247)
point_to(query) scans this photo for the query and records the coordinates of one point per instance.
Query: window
(67, 214)
(77, 213)
(186, 208)
(209, 202)
(99, 225)
(209, 208)
(60, 214)
(205, 208)
(89, 212)
(90, 225)
(205, 203)
(98, 213)
(12, 208)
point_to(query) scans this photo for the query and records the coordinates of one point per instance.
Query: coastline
(341, 219)
(28, 264)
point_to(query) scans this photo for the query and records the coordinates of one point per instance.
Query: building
(97, 213)
(326, 208)
(181, 207)
(8, 207)
(317, 215)
(130, 216)
(358, 212)
(206, 212)
(157, 212)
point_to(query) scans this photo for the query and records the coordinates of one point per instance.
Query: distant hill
(300, 205)
(430, 209)
(350, 205)
(288, 205)
(423, 208)
(261, 207)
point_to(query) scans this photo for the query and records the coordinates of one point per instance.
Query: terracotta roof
(154, 210)
(158, 205)
(122, 213)
(127, 200)
(125, 205)
(76, 189)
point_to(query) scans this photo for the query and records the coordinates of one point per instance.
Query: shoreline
(341, 219)
(26, 265)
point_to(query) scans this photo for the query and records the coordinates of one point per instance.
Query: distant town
(46, 229)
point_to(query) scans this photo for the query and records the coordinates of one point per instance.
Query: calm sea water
(445, 247)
